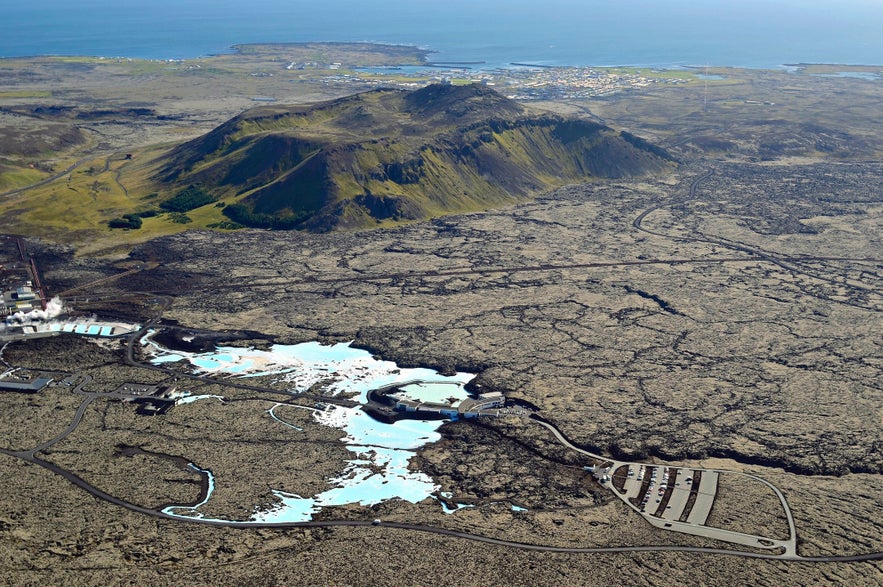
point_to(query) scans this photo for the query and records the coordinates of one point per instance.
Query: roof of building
(491, 395)
(32, 385)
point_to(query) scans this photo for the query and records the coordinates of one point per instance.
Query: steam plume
(54, 308)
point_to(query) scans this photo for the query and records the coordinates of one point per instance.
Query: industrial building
(55, 327)
(22, 298)
(33, 385)
(467, 408)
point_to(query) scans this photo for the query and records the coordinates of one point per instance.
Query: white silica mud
(378, 471)
(187, 398)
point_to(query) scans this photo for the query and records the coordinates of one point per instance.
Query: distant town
(521, 81)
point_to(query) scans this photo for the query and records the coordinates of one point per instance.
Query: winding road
(784, 262)
(49, 179)
(789, 546)
(457, 272)
(790, 550)
(30, 456)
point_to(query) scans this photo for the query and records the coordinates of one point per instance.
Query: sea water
(749, 33)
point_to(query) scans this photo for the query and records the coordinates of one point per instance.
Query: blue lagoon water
(381, 452)
(750, 33)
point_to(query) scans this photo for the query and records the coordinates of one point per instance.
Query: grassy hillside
(372, 159)
(390, 155)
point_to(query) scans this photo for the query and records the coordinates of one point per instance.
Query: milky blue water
(437, 393)
(750, 33)
(184, 510)
(379, 468)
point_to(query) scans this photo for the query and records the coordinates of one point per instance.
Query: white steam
(54, 309)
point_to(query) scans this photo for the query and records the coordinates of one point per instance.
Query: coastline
(419, 56)
(242, 48)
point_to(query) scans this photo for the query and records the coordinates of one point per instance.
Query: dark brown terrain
(726, 313)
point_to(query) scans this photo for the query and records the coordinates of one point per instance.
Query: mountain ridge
(392, 155)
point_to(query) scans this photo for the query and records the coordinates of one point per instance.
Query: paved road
(49, 179)
(79, 482)
(692, 195)
(78, 417)
(459, 272)
(30, 456)
(61, 174)
(563, 440)
(704, 498)
(789, 546)
(785, 262)
(100, 281)
(792, 529)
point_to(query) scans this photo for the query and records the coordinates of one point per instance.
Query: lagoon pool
(440, 392)
(381, 452)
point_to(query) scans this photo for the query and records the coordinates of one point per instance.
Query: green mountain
(393, 154)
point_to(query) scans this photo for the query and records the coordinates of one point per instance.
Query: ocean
(659, 33)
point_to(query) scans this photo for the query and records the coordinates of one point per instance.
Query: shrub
(240, 214)
(132, 221)
(188, 199)
(179, 218)
(225, 225)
